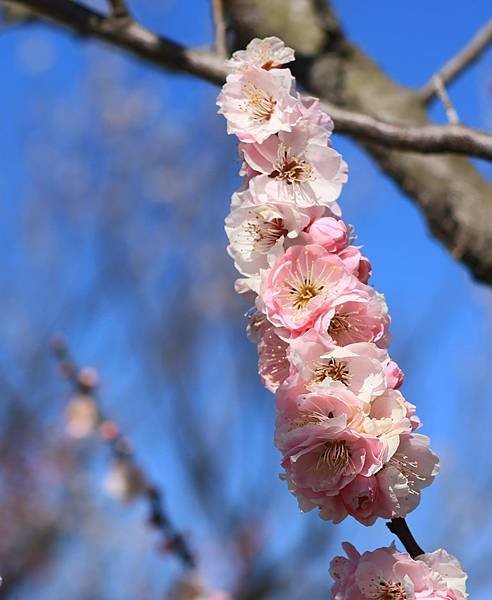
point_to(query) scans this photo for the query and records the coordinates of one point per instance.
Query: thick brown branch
(400, 528)
(220, 28)
(456, 65)
(455, 199)
(135, 38)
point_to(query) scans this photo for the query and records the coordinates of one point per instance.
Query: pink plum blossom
(273, 363)
(394, 375)
(301, 286)
(322, 458)
(357, 367)
(356, 263)
(296, 169)
(267, 53)
(361, 316)
(447, 573)
(338, 408)
(328, 232)
(386, 573)
(258, 103)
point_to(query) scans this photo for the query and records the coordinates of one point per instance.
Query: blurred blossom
(124, 481)
(193, 588)
(81, 416)
(89, 377)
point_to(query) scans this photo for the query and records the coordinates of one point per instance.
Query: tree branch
(455, 139)
(456, 65)
(400, 528)
(119, 9)
(220, 28)
(386, 118)
(120, 448)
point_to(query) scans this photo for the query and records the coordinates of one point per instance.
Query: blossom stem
(400, 528)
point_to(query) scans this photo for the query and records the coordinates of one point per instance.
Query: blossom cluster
(346, 433)
(387, 573)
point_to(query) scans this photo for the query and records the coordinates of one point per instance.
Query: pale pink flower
(412, 468)
(387, 573)
(317, 365)
(257, 233)
(273, 363)
(298, 415)
(447, 573)
(361, 498)
(359, 367)
(258, 103)
(356, 263)
(323, 458)
(267, 53)
(328, 232)
(361, 316)
(301, 286)
(318, 122)
(296, 168)
(388, 419)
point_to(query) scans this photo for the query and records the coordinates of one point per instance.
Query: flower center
(304, 292)
(291, 169)
(265, 235)
(335, 370)
(334, 457)
(259, 105)
(338, 324)
(390, 591)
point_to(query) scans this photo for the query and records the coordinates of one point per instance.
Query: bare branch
(446, 100)
(220, 28)
(456, 65)
(207, 65)
(453, 139)
(121, 449)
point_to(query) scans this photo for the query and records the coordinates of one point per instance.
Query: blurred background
(115, 179)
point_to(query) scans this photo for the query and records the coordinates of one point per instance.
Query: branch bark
(364, 103)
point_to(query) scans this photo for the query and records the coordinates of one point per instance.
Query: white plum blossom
(267, 53)
(258, 103)
(296, 168)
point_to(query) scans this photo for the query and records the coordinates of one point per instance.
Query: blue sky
(441, 318)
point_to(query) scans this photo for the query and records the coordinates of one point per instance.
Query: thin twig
(120, 448)
(140, 41)
(400, 528)
(220, 28)
(446, 100)
(456, 65)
